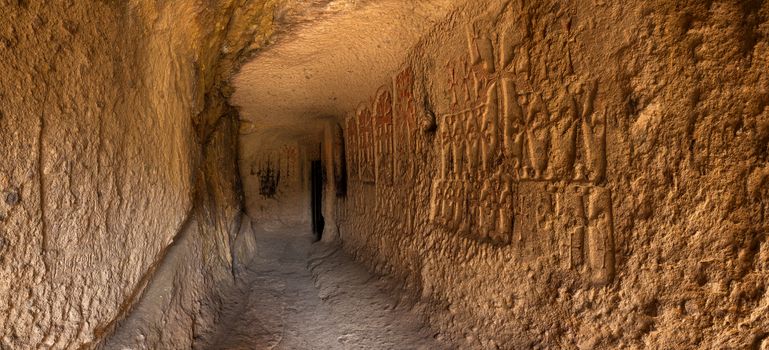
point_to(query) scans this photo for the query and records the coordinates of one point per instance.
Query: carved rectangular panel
(405, 149)
(366, 156)
(383, 136)
(523, 161)
(352, 151)
(404, 126)
(291, 161)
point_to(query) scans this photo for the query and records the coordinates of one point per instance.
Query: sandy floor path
(297, 294)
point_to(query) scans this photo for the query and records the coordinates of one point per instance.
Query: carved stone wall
(276, 184)
(574, 175)
(273, 165)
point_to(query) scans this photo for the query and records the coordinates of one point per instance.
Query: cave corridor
(384, 174)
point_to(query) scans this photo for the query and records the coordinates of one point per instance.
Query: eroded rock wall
(574, 175)
(116, 149)
(275, 177)
(183, 297)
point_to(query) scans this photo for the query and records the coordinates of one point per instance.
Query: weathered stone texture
(275, 173)
(113, 147)
(182, 299)
(580, 174)
(540, 174)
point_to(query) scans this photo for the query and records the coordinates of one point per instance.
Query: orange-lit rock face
(332, 55)
(586, 183)
(108, 155)
(537, 174)
(276, 182)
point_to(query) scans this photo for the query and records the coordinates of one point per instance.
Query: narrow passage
(297, 294)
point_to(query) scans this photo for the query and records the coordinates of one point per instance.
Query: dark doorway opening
(316, 178)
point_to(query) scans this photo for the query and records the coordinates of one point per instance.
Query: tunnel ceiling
(330, 56)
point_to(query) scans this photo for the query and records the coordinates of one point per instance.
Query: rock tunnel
(384, 174)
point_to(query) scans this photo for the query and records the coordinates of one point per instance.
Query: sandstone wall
(116, 151)
(581, 174)
(275, 177)
(183, 297)
(334, 178)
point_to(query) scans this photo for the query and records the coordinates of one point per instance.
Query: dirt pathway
(279, 305)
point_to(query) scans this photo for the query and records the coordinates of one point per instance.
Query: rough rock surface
(118, 164)
(325, 58)
(298, 295)
(585, 174)
(536, 174)
(548, 174)
(333, 55)
(275, 175)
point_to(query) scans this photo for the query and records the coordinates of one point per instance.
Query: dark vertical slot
(317, 198)
(340, 162)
